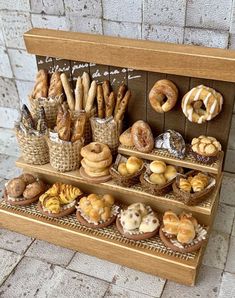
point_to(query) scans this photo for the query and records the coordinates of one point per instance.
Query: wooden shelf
(188, 162)
(126, 194)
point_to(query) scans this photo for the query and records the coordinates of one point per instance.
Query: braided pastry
(41, 85)
(196, 98)
(56, 88)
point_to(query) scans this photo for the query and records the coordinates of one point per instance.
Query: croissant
(199, 183)
(185, 185)
(186, 231)
(171, 222)
(190, 217)
(52, 204)
(68, 193)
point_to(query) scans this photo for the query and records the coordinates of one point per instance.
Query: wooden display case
(138, 64)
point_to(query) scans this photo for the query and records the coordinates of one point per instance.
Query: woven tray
(34, 149)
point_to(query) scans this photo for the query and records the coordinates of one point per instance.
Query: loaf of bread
(41, 85)
(56, 88)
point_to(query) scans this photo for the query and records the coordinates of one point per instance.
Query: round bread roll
(15, 187)
(108, 199)
(34, 189)
(133, 164)
(28, 178)
(158, 179)
(122, 169)
(170, 173)
(140, 207)
(126, 138)
(157, 166)
(130, 219)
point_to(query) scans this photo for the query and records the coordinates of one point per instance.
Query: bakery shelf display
(175, 92)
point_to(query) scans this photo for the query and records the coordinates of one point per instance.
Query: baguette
(121, 92)
(100, 101)
(106, 90)
(109, 105)
(68, 91)
(79, 95)
(56, 88)
(64, 126)
(122, 106)
(91, 96)
(86, 87)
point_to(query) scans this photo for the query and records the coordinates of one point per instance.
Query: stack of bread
(161, 173)
(131, 166)
(97, 159)
(193, 184)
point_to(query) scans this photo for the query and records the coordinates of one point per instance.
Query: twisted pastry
(41, 85)
(56, 88)
(68, 193)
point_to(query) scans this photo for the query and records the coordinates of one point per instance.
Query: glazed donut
(99, 164)
(163, 89)
(193, 101)
(96, 151)
(142, 136)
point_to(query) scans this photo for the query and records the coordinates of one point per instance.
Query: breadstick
(109, 105)
(121, 92)
(86, 87)
(91, 97)
(122, 106)
(78, 95)
(100, 101)
(68, 90)
(106, 90)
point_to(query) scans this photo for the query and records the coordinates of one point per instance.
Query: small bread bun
(15, 187)
(122, 169)
(158, 179)
(170, 173)
(157, 167)
(133, 164)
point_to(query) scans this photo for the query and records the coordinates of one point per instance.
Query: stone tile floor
(34, 268)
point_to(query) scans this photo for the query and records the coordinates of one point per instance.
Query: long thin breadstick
(86, 87)
(100, 101)
(109, 105)
(121, 92)
(68, 90)
(122, 106)
(91, 97)
(78, 95)
(106, 90)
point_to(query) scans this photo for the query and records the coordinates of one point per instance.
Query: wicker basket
(33, 148)
(204, 159)
(156, 189)
(65, 156)
(106, 131)
(88, 130)
(124, 180)
(50, 106)
(193, 198)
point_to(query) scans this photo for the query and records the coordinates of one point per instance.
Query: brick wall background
(199, 22)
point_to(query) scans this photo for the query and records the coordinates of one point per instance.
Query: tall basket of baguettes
(107, 126)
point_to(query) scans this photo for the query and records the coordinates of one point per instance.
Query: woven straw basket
(34, 149)
(50, 106)
(107, 133)
(65, 156)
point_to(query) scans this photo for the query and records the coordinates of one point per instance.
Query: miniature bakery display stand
(145, 198)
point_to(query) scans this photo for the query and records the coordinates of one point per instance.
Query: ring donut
(99, 164)
(163, 89)
(92, 174)
(142, 136)
(201, 104)
(96, 151)
(91, 169)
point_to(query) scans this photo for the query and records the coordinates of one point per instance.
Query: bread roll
(158, 179)
(133, 164)
(170, 172)
(15, 187)
(122, 169)
(157, 166)
(186, 231)
(171, 222)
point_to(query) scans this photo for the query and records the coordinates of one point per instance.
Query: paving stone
(8, 93)
(24, 89)
(27, 279)
(14, 241)
(122, 29)
(230, 264)
(47, 6)
(163, 33)
(227, 289)
(93, 266)
(164, 12)
(2, 41)
(84, 24)
(23, 64)
(138, 281)
(224, 218)
(84, 8)
(50, 253)
(5, 67)
(8, 117)
(65, 283)
(207, 285)
(209, 14)
(8, 169)
(8, 142)
(229, 164)
(228, 190)
(8, 261)
(125, 11)
(49, 22)
(118, 292)
(22, 5)
(206, 38)
(216, 250)
(14, 24)
(2, 186)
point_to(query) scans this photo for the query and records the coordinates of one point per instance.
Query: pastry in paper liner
(23, 202)
(60, 214)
